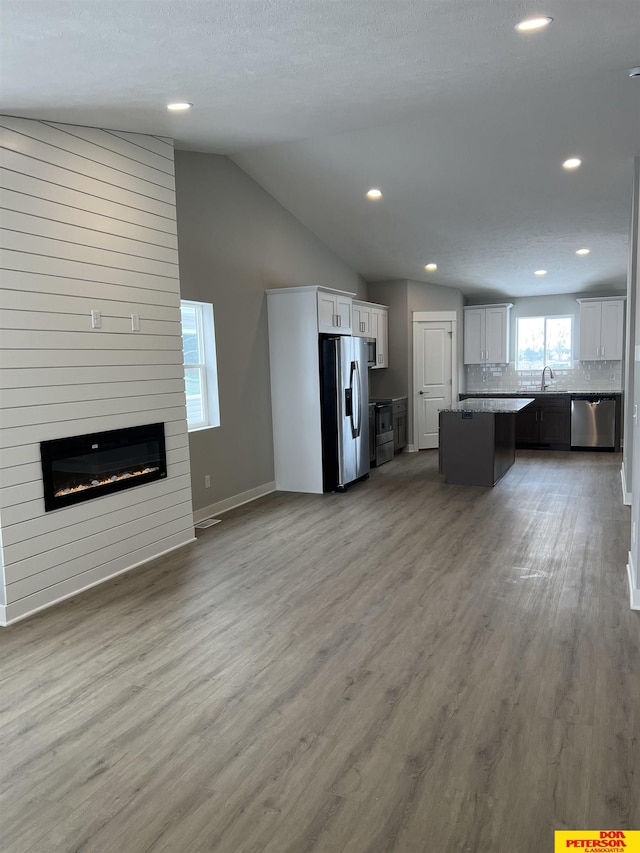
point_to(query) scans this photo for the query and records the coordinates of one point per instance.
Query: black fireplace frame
(81, 445)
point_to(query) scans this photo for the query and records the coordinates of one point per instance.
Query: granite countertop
(538, 393)
(491, 405)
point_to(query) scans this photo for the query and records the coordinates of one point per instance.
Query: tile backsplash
(583, 376)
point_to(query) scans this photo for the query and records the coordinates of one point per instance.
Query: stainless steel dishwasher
(593, 421)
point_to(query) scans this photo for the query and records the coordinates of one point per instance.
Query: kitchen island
(478, 439)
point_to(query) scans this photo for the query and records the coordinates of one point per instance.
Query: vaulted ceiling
(461, 121)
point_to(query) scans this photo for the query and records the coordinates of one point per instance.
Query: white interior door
(433, 373)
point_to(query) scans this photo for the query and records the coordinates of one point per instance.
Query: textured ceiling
(462, 122)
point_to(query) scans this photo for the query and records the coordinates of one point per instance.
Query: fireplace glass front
(88, 466)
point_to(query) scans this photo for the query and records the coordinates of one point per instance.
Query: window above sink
(544, 342)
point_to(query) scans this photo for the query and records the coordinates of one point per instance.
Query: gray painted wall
(392, 381)
(234, 241)
(403, 298)
(433, 297)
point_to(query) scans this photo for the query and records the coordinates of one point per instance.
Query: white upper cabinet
(372, 321)
(361, 319)
(334, 312)
(601, 329)
(486, 334)
(380, 331)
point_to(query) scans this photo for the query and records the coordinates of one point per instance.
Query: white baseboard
(233, 502)
(5, 610)
(634, 592)
(626, 496)
(410, 448)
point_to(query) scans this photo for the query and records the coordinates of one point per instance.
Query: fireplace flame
(114, 479)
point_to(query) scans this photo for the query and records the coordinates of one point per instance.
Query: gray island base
(478, 440)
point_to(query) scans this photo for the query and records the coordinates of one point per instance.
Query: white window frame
(544, 317)
(207, 365)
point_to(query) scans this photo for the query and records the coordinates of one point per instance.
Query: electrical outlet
(207, 481)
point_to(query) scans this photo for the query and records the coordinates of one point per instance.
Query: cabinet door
(497, 335)
(399, 431)
(379, 331)
(590, 321)
(327, 312)
(334, 313)
(527, 425)
(361, 320)
(343, 310)
(555, 426)
(611, 331)
(474, 335)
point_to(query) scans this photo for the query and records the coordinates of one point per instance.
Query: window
(544, 341)
(200, 368)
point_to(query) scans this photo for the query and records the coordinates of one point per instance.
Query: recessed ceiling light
(531, 24)
(431, 267)
(572, 163)
(540, 272)
(178, 107)
(582, 251)
(374, 194)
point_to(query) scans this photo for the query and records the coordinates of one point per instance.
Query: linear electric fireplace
(88, 466)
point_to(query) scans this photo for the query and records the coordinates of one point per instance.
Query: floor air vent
(207, 522)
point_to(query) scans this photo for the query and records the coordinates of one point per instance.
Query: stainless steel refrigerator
(344, 389)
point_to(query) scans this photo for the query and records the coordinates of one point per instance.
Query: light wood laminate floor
(407, 667)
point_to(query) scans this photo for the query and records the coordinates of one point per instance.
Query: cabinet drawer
(399, 406)
(556, 404)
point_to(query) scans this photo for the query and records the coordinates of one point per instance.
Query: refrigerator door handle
(356, 404)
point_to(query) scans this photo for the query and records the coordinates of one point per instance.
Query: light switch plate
(96, 320)
(135, 322)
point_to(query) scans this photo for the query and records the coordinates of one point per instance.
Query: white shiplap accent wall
(88, 223)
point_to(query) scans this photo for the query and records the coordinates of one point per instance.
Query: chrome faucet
(544, 385)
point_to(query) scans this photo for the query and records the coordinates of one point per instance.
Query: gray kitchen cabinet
(545, 423)
(399, 424)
